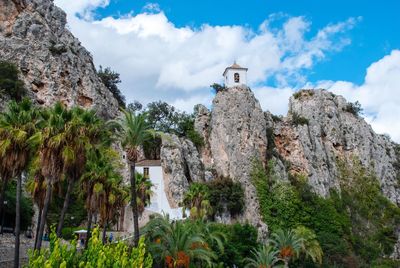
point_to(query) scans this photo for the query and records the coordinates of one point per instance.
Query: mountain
(321, 138)
(54, 66)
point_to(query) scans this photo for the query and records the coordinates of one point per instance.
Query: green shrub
(224, 193)
(353, 108)
(10, 85)
(9, 209)
(299, 120)
(96, 255)
(241, 239)
(218, 88)
(57, 49)
(354, 228)
(303, 92)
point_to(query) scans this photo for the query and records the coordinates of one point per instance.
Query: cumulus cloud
(379, 95)
(158, 60)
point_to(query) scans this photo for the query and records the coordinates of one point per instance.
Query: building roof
(148, 163)
(234, 66)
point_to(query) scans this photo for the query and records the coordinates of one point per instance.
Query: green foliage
(57, 49)
(374, 216)
(218, 88)
(266, 256)
(215, 197)
(165, 118)
(180, 243)
(111, 80)
(10, 85)
(226, 195)
(26, 207)
(299, 120)
(76, 212)
(241, 239)
(196, 199)
(356, 226)
(353, 108)
(303, 92)
(96, 255)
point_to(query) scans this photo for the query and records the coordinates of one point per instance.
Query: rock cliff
(54, 65)
(319, 129)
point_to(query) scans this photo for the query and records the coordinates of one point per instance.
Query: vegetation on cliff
(355, 227)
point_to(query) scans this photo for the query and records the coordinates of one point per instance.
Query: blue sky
(173, 50)
(372, 38)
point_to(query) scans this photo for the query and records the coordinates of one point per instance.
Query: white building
(235, 75)
(158, 201)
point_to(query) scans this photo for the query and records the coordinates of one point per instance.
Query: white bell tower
(235, 75)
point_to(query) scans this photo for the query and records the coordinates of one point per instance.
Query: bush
(299, 120)
(303, 92)
(356, 227)
(96, 255)
(353, 108)
(111, 80)
(241, 239)
(9, 209)
(10, 85)
(226, 194)
(218, 88)
(57, 49)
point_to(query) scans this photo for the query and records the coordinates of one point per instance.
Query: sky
(173, 50)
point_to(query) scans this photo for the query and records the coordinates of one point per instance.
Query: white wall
(229, 77)
(158, 201)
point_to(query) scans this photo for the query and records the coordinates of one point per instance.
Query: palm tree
(84, 131)
(287, 243)
(310, 246)
(112, 202)
(53, 151)
(133, 130)
(144, 192)
(265, 257)
(197, 201)
(17, 125)
(36, 186)
(177, 243)
(100, 167)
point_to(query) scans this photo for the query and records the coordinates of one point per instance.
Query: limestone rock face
(181, 165)
(333, 132)
(54, 65)
(237, 136)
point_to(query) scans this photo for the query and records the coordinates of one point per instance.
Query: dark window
(146, 172)
(236, 77)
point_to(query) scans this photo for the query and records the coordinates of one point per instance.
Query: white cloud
(379, 95)
(158, 60)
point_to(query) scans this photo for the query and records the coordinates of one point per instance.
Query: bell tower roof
(234, 66)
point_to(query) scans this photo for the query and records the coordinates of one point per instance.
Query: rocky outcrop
(237, 136)
(181, 165)
(320, 129)
(54, 65)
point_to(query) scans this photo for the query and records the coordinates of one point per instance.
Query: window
(146, 173)
(236, 77)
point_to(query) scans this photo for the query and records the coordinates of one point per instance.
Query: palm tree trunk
(17, 222)
(65, 207)
(105, 233)
(89, 226)
(134, 205)
(44, 214)
(2, 197)
(38, 225)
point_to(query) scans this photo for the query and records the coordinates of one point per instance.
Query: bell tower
(235, 75)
